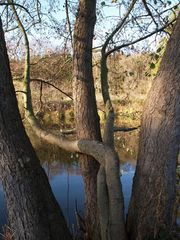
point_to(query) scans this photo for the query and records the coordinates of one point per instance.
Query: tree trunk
(32, 209)
(154, 186)
(87, 119)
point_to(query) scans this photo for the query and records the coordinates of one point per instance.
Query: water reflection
(67, 185)
(3, 217)
(66, 181)
(65, 178)
(64, 175)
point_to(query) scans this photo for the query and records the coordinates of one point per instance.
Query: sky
(108, 15)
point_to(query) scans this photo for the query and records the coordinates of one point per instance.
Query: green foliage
(159, 49)
(169, 2)
(175, 7)
(103, 3)
(157, 56)
(152, 65)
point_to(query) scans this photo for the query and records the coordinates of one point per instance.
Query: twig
(68, 21)
(149, 12)
(50, 84)
(119, 26)
(125, 129)
(18, 5)
(139, 39)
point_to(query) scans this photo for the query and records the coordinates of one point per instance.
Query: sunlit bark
(32, 209)
(151, 207)
(87, 119)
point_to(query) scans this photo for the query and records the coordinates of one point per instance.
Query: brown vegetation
(130, 79)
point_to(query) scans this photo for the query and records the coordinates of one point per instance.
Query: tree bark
(32, 209)
(87, 119)
(154, 187)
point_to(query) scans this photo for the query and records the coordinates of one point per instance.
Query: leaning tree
(154, 188)
(33, 211)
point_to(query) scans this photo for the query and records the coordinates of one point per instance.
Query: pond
(65, 178)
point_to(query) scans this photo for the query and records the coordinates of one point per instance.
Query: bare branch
(119, 26)
(11, 29)
(40, 96)
(38, 7)
(125, 129)
(139, 39)
(149, 12)
(68, 21)
(19, 91)
(18, 5)
(27, 96)
(50, 84)
(68, 131)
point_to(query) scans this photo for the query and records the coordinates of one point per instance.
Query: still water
(66, 181)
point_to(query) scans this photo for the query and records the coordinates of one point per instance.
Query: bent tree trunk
(151, 206)
(32, 209)
(87, 119)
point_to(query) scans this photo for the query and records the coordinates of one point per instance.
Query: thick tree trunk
(151, 206)
(32, 209)
(87, 119)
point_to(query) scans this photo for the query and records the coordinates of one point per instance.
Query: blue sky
(107, 18)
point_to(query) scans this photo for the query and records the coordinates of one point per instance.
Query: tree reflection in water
(65, 178)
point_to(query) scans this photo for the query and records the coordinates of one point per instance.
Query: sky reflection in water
(67, 185)
(69, 191)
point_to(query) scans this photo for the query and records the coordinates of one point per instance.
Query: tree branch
(139, 39)
(19, 91)
(38, 7)
(125, 129)
(50, 84)
(119, 26)
(149, 12)
(18, 5)
(68, 21)
(26, 81)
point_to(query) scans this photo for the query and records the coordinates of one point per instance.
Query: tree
(32, 209)
(154, 188)
(110, 199)
(101, 152)
(87, 127)
(87, 119)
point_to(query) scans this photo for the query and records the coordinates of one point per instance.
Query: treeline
(130, 76)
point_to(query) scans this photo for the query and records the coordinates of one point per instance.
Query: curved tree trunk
(151, 206)
(32, 209)
(87, 119)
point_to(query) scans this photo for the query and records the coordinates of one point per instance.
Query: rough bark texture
(151, 206)
(109, 188)
(32, 209)
(87, 119)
